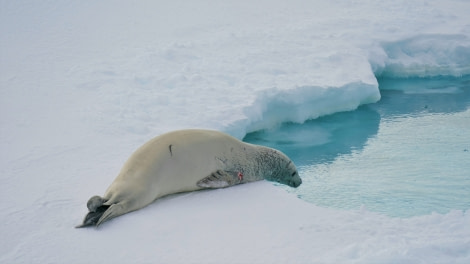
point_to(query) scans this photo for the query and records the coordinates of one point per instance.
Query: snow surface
(84, 83)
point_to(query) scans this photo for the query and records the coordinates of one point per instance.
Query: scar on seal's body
(171, 153)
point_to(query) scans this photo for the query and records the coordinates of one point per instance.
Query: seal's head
(289, 175)
(283, 170)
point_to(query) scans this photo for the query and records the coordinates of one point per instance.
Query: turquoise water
(407, 155)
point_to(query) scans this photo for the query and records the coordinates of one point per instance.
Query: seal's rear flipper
(95, 202)
(221, 179)
(113, 211)
(91, 219)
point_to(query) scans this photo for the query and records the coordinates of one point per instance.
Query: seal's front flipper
(221, 179)
(91, 219)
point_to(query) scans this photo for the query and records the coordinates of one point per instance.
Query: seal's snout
(296, 183)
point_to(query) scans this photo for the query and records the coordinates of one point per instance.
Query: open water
(407, 155)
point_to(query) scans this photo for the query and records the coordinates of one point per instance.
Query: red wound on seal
(240, 176)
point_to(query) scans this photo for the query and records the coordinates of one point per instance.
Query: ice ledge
(273, 107)
(425, 55)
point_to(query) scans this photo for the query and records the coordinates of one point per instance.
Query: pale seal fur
(183, 161)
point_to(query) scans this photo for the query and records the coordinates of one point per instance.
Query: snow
(83, 84)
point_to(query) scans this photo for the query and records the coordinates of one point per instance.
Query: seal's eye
(294, 173)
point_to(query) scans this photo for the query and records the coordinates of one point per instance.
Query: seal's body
(187, 160)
